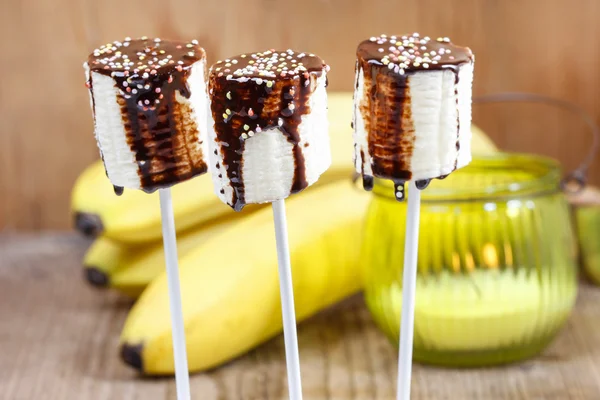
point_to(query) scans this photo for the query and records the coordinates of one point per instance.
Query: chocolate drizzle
(422, 183)
(160, 130)
(456, 79)
(118, 190)
(388, 120)
(368, 182)
(387, 64)
(367, 179)
(252, 93)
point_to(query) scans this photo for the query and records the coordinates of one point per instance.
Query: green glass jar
(497, 275)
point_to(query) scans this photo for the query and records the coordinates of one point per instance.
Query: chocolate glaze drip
(251, 93)
(368, 182)
(118, 190)
(387, 63)
(367, 179)
(149, 74)
(422, 184)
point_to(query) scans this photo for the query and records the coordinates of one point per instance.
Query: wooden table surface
(58, 341)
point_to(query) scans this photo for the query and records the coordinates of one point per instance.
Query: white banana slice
(412, 108)
(149, 102)
(268, 127)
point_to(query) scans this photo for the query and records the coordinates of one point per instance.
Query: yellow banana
(130, 268)
(587, 217)
(134, 217)
(588, 226)
(149, 264)
(230, 290)
(481, 144)
(91, 193)
(106, 256)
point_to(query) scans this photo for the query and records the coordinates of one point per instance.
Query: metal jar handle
(576, 180)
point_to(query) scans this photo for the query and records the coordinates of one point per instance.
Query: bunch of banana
(227, 264)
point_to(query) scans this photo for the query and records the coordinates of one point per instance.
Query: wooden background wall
(549, 47)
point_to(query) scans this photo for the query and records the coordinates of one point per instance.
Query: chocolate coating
(386, 64)
(149, 74)
(254, 92)
(411, 53)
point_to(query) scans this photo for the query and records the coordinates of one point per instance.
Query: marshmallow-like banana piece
(268, 128)
(150, 110)
(412, 109)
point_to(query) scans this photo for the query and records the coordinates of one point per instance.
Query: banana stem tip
(132, 355)
(88, 224)
(96, 277)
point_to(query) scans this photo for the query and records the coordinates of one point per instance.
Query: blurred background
(499, 267)
(46, 139)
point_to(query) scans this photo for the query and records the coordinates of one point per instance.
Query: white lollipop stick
(286, 288)
(409, 283)
(182, 378)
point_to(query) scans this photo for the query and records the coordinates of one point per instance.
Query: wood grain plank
(59, 340)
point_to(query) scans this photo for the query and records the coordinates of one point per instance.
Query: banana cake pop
(149, 101)
(268, 128)
(412, 109)
(148, 97)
